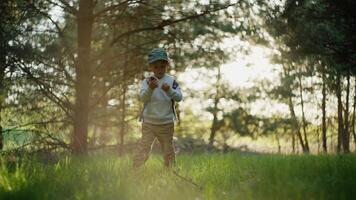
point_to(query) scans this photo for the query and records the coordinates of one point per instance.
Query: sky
(243, 69)
(246, 68)
(241, 72)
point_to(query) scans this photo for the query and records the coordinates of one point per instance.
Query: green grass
(222, 176)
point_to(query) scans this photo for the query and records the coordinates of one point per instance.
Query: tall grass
(221, 176)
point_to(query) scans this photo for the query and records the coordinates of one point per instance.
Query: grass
(222, 176)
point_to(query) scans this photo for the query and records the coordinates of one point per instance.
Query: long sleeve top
(158, 104)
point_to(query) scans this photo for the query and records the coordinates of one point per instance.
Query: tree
(16, 21)
(98, 52)
(322, 31)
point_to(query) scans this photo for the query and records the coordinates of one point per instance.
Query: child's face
(159, 68)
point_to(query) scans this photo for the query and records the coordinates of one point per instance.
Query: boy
(158, 92)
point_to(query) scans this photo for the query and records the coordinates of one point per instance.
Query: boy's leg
(146, 142)
(164, 135)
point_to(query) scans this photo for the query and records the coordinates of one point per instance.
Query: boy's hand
(165, 87)
(152, 83)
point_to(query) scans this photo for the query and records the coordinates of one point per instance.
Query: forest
(71, 72)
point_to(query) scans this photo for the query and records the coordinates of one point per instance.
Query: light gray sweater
(158, 104)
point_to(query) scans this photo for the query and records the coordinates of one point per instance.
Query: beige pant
(164, 134)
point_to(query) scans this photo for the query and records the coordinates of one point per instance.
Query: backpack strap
(174, 86)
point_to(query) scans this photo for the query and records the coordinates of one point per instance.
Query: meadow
(213, 176)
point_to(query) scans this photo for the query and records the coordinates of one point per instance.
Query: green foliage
(316, 28)
(242, 122)
(16, 138)
(121, 35)
(222, 176)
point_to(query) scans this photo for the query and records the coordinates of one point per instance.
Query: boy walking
(158, 93)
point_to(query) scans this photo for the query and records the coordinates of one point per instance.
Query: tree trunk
(83, 77)
(323, 107)
(278, 142)
(353, 114)
(213, 128)
(93, 140)
(306, 144)
(318, 138)
(2, 95)
(123, 98)
(346, 133)
(293, 143)
(339, 113)
(123, 116)
(296, 128)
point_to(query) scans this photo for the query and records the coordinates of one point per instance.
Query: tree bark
(123, 97)
(123, 116)
(293, 143)
(213, 128)
(346, 133)
(339, 112)
(2, 95)
(353, 114)
(318, 138)
(306, 144)
(83, 77)
(278, 142)
(323, 107)
(296, 128)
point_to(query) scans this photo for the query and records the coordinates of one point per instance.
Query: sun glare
(241, 72)
(247, 68)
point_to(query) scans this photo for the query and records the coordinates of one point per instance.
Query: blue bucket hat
(157, 54)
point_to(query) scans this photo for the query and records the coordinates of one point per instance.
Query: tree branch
(168, 22)
(65, 5)
(65, 106)
(111, 8)
(59, 30)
